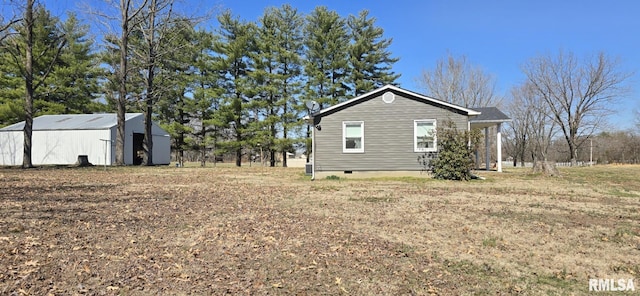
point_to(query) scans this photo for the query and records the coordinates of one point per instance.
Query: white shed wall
(11, 144)
(64, 146)
(55, 147)
(161, 141)
(161, 146)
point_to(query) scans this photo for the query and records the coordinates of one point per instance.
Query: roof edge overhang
(389, 87)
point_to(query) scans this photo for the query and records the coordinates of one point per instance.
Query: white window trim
(344, 138)
(415, 136)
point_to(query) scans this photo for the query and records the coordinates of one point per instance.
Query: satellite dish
(313, 106)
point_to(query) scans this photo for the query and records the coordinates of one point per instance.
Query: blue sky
(497, 35)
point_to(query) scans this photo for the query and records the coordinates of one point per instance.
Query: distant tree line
(559, 111)
(218, 92)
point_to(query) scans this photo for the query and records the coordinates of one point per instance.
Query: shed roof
(72, 122)
(396, 89)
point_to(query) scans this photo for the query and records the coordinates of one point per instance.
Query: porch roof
(489, 116)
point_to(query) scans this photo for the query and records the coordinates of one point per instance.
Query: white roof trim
(469, 112)
(490, 120)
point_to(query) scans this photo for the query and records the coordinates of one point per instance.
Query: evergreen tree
(278, 71)
(268, 85)
(233, 64)
(40, 35)
(326, 65)
(206, 96)
(173, 106)
(73, 84)
(290, 41)
(370, 61)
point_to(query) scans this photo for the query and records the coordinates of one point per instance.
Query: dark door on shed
(138, 148)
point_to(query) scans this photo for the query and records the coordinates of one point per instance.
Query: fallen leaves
(266, 231)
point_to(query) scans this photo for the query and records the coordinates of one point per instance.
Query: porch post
(499, 148)
(486, 149)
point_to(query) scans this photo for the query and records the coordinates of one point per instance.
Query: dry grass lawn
(166, 230)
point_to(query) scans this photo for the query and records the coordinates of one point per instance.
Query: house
(60, 139)
(386, 130)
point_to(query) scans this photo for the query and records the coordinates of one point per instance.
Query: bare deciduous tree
(158, 29)
(129, 11)
(518, 129)
(578, 93)
(456, 81)
(5, 27)
(532, 129)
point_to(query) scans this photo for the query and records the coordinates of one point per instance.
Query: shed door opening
(138, 148)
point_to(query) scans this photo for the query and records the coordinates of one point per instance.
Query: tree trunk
(122, 80)
(547, 168)
(272, 158)
(28, 104)
(574, 154)
(239, 157)
(148, 135)
(203, 146)
(151, 42)
(284, 158)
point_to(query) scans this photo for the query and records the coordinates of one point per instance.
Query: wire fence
(506, 164)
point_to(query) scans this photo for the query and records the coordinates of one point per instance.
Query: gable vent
(388, 97)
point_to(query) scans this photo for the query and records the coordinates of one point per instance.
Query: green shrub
(454, 161)
(333, 177)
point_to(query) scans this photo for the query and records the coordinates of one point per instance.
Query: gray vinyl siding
(388, 135)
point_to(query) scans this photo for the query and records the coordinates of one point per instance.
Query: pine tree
(268, 84)
(370, 60)
(278, 71)
(206, 96)
(290, 40)
(327, 66)
(233, 64)
(173, 81)
(73, 84)
(40, 35)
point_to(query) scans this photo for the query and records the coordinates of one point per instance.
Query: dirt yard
(202, 231)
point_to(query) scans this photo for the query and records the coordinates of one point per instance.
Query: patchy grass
(255, 230)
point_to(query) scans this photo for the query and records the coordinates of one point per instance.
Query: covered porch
(489, 117)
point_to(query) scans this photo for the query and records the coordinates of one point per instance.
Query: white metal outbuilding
(60, 139)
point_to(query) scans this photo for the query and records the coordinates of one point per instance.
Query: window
(424, 135)
(353, 137)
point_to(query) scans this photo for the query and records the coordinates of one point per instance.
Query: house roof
(395, 89)
(491, 114)
(72, 122)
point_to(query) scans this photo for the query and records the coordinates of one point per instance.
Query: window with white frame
(353, 137)
(424, 135)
